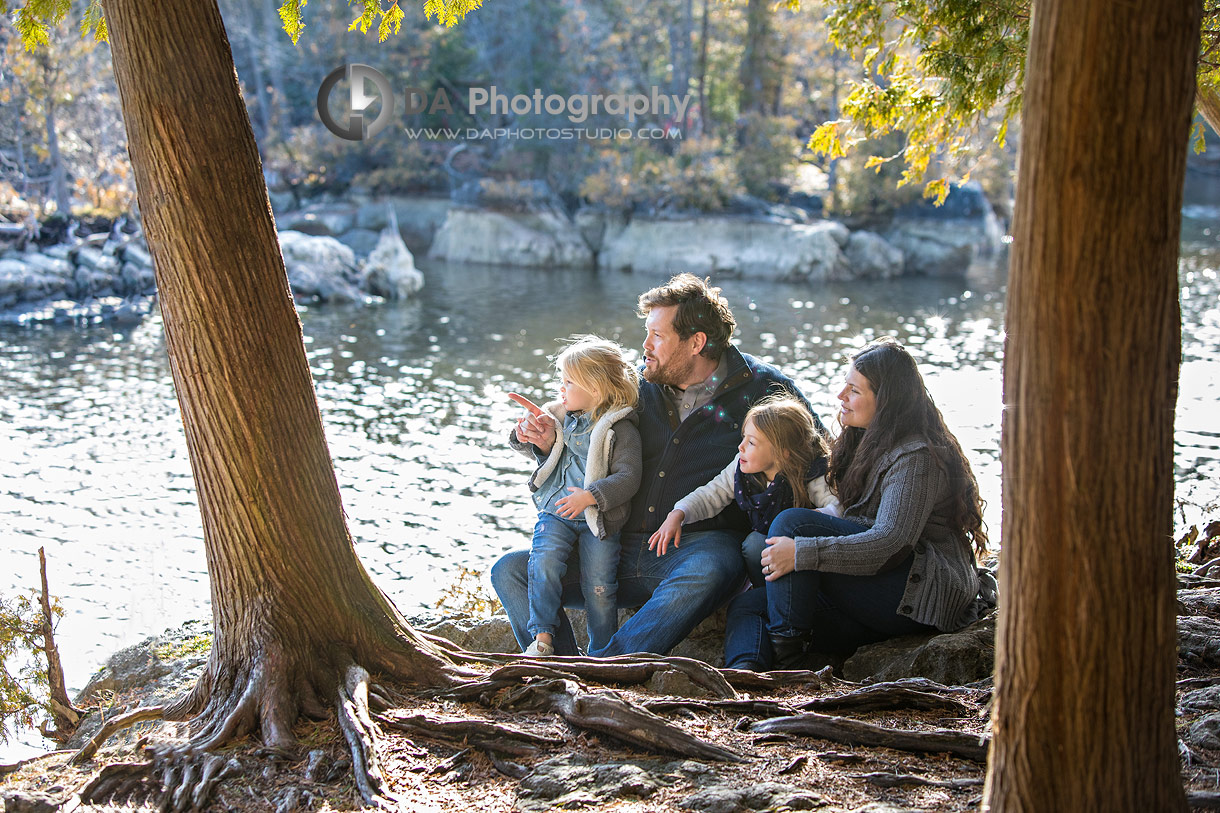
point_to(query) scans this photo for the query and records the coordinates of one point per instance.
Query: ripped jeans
(554, 540)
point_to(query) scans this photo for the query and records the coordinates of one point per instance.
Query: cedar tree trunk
(1086, 646)
(293, 608)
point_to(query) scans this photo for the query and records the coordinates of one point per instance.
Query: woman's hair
(597, 366)
(904, 410)
(788, 426)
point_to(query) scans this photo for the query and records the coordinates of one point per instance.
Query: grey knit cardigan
(906, 507)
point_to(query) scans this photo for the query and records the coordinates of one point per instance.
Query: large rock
(320, 268)
(729, 247)
(727, 798)
(952, 658)
(1199, 641)
(868, 255)
(147, 673)
(544, 239)
(946, 240)
(419, 218)
(390, 269)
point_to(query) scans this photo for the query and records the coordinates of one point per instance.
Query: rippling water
(96, 469)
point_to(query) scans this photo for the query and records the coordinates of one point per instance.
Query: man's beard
(671, 374)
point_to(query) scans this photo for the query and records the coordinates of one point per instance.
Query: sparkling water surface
(95, 466)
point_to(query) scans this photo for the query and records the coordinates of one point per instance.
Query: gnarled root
(607, 712)
(113, 726)
(622, 670)
(491, 737)
(181, 778)
(361, 734)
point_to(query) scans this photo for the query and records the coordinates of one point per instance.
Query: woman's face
(857, 401)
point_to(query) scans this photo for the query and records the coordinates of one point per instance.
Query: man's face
(667, 358)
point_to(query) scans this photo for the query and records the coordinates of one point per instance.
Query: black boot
(788, 651)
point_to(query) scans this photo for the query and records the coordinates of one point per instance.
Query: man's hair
(701, 309)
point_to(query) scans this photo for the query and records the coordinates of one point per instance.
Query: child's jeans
(554, 539)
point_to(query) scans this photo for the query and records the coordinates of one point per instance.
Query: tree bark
(1085, 655)
(292, 606)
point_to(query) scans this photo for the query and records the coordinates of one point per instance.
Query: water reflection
(412, 398)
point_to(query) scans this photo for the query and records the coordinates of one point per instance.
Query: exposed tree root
(745, 679)
(606, 712)
(888, 696)
(111, 727)
(361, 735)
(885, 779)
(762, 708)
(479, 733)
(857, 732)
(181, 778)
(623, 670)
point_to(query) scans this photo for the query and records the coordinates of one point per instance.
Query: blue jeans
(555, 540)
(751, 551)
(837, 612)
(674, 592)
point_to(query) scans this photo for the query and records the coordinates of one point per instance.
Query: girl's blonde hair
(788, 426)
(598, 366)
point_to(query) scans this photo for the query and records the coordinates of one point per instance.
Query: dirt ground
(434, 775)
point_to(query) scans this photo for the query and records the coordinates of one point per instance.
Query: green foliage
(195, 645)
(947, 75)
(24, 695)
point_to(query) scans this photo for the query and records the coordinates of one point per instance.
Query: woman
(900, 561)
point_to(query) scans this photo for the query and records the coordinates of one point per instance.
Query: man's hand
(779, 557)
(536, 426)
(573, 505)
(670, 531)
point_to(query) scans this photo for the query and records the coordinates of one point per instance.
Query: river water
(95, 465)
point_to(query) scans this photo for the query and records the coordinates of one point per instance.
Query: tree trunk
(292, 606)
(703, 34)
(59, 182)
(1086, 645)
(759, 77)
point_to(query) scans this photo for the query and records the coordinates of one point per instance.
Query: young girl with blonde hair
(589, 469)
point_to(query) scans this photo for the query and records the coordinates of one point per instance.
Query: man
(695, 394)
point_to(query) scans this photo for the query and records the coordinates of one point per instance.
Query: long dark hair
(905, 410)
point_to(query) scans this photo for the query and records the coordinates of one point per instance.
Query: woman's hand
(779, 557)
(573, 505)
(670, 531)
(538, 430)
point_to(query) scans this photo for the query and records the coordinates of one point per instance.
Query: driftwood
(856, 732)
